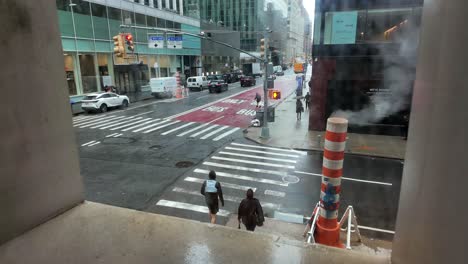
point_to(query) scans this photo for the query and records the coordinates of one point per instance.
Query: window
(163, 3)
(171, 4)
(178, 5)
(177, 26)
(114, 13)
(169, 24)
(63, 5)
(155, 3)
(81, 7)
(151, 21)
(161, 23)
(106, 95)
(140, 19)
(98, 10)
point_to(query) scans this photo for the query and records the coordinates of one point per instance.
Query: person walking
(299, 109)
(307, 100)
(211, 189)
(258, 98)
(250, 212)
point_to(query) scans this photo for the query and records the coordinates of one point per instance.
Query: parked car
(104, 101)
(218, 86)
(215, 77)
(248, 81)
(197, 82)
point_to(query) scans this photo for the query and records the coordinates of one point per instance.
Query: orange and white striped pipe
(328, 230)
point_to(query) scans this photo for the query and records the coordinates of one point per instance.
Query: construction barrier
(328, 229)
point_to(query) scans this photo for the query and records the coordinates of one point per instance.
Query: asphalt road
(154, 155)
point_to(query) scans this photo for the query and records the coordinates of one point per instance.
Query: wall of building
(40, 175)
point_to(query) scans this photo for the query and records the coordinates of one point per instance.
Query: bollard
(328, 230)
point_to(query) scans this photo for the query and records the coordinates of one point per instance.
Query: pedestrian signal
(276, 95)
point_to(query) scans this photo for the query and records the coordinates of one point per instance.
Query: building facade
(87, 28)
(296, 14)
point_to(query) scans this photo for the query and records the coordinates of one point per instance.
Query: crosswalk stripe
(223, 184)
(275, 193)
(255, 157)
(199, 127)
(76, 119)
(126, 123)
(139, 125)
(219, 165)
(345, 178)
(214, 132)
(225, 134)
(100, 122)
(204, 130)
(91, 142)
(116, 121)
(177, 128)
(93, 120)
(88, 118)
(111, 135)
(159, 127)
(241, 177)
(263, 152)
(254, 162)
(95, 143)
(191, 207)
(262, 147)
(152, 125)
(226, 197)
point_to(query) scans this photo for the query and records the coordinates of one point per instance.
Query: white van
(197, 82)
(163, 87)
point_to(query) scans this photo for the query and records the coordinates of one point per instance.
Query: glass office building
(87, 28)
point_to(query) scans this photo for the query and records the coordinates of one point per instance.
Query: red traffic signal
(129, 41)
(128, 37)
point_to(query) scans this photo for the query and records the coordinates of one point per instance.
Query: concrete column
(181, 5)
(167, 4)
(151, 3)
(110, 67)
(39, 170)
(77, 73)
(174, 4)
(160, 3)
(432, 216)
(96, 72)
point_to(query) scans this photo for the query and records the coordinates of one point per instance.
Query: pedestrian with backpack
(250, 212)
(211, 189)
(258, 98)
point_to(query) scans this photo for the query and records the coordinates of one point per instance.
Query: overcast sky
(310, 6)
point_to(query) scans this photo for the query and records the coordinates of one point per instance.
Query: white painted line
(277, 149)
(345, 178)
(202, 97)
(223, 184)
(100, 122)
(214, 132)
(158, 102)
(198, 127)
(209, 104)
(219, 165)
(144, 113)
(159, 127)
(254, 162)
(177, 128)
(255, 157)
(81, 118)
(117, 121)
(92, 120)
(275, 193)
(118, 135)
(91, 142)
(150, 126)
(241, 177)
(334, 146)
(229, 198)
(87, 118)
(191, 207)
(225, 134)
(263, 152)
(203, 131)
(376, 229)
(126, 123)
(94, 144)
(111, 135)
(132, 127)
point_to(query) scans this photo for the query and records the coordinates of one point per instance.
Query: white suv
(103, 101)
(197, 82)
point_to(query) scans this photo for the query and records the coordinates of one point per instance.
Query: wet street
(154, 155)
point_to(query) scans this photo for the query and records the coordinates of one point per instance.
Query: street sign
(156, 41)
(174, 41)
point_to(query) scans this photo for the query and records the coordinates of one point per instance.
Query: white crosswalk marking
(270, 148)
(88, 118)
(219, 165)
(199, 127)
(214, 132)
(204, 130)
(225, 134)
(159, 127)
(263, 152)
(93, 120)
(152, 125)
(255, 157)
(191, 207)
(111, 135)
(223, 185)
(275, 193)
(254, 162)
(116, 121)
(100, 122)
(245, 178)
(125, 124)
(139, 125)
(177, 128)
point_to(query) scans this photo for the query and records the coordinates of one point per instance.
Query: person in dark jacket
(211, 189)
(299, 109)
(258, 98)
(307, 100)
(250, 212)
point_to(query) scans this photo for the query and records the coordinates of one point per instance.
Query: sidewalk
(287, 132)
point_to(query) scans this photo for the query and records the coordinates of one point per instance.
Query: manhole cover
(184, 164)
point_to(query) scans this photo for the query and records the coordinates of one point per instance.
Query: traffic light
(119, 49)
(276, 95)
(129, 41)
(262, 48)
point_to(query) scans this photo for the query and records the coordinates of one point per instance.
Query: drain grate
(184, 164)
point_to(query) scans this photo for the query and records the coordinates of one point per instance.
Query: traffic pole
(265, 134)
(328, 229)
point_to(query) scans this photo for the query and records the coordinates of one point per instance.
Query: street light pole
(265, 129)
